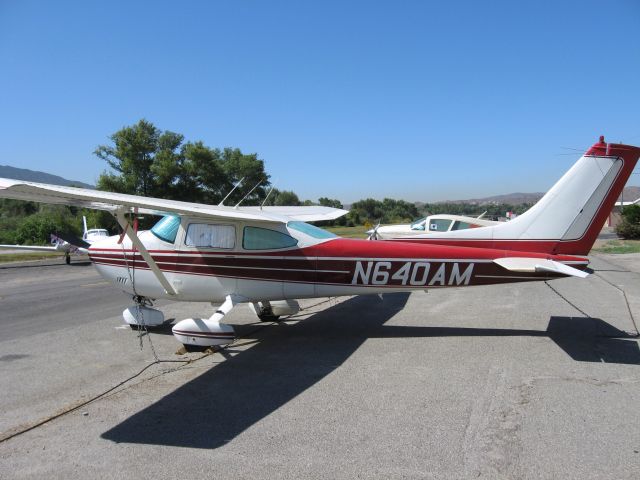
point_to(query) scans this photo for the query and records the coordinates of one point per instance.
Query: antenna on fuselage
(250, 192)
(221, 204)
(273, 185)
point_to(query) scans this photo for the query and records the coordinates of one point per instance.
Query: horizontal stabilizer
(71, 239)
(531, 265)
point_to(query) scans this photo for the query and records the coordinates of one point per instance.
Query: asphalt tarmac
(518, 381)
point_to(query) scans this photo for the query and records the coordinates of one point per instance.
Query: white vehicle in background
(66, 243)
(431, 224)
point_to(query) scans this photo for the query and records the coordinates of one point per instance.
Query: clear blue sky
(414, 100)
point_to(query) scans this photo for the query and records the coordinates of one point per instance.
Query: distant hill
(630, 194)
(34, 176)
(512, 198)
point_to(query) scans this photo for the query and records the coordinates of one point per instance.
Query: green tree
(16, 208)
(629, 227)
(286, 198)
(329, 202)
(148, 161)
(131, 155)
(36, 229)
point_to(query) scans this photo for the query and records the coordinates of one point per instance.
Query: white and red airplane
(441, 222)
(268, 257)
(66, 243)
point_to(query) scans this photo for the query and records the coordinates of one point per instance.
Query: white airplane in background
(269, 257)
(65, 243)
(433, 223)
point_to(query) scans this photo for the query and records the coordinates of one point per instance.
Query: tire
(267, 317)
(67, 259)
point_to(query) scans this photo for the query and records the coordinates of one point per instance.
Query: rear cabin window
(256, 238)
(205, 235)
(461, 225)
(439, 225)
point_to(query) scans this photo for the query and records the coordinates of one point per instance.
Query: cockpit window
(439, 225)
(255, 238)
(311, 230)
(167, 228)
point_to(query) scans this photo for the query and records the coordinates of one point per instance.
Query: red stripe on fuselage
(337, 261)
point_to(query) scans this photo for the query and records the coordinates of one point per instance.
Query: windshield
(418, 224)
(310, 230)
(167, 228)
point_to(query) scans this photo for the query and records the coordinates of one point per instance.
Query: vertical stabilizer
(569, 217)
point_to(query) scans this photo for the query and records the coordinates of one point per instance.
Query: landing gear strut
(67, 258)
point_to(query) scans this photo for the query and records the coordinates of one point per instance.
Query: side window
(263, 239)
(210, 236)
(439, 225)
(460, 225)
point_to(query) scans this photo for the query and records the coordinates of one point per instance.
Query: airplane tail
(569, 217)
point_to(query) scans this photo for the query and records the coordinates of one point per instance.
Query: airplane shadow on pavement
(214, 408)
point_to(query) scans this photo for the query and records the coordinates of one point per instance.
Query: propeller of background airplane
(373, 234)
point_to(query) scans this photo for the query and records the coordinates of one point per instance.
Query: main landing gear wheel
(268, 317)
(271, 311)
(264, 311)
(67, 259)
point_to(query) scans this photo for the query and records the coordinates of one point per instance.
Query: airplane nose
(107, 244)
(108, 257)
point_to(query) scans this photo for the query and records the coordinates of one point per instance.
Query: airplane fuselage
(312, 268)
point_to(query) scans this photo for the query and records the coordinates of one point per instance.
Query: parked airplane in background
(432, 223)
(268, 257)
(66, 243)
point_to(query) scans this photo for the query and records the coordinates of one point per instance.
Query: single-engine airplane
(440, 222)
(66, 243)
(269, 257)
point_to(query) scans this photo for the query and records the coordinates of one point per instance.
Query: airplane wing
(311, 213)
(527, 264)
(34, 248)
(112, 202)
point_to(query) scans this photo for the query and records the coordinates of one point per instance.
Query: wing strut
(135, 241)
